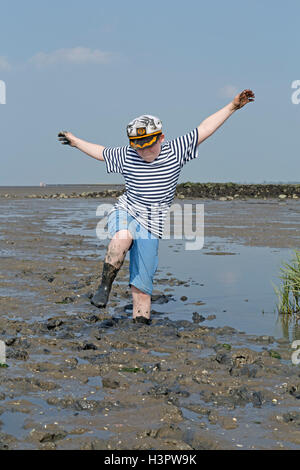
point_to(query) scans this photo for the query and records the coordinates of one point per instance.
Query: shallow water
(237, 287)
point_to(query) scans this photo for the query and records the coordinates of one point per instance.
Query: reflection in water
(290, 326)
(237, 288)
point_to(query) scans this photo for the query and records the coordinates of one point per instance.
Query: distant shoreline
(218, 191)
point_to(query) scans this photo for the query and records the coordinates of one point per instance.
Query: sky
(91, 67)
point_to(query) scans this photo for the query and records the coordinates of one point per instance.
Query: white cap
(144, 126)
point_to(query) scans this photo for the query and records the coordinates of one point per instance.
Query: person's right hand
(67, 138)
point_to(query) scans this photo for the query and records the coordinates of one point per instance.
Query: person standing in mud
(150, 167)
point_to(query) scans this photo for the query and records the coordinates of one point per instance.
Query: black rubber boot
(100, 298)
(142, 320)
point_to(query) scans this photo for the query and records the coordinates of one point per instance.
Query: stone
(110, 383)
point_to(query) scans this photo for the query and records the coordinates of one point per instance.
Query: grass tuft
(288, 293)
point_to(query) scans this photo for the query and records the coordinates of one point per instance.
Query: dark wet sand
(80, 378)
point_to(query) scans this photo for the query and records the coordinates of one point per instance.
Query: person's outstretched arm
(93, 150)
(213, 122)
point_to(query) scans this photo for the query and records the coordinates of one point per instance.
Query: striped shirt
(150, 186)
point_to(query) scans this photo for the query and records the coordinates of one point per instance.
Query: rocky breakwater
(108, 193)
(231, 191)
(188, 190)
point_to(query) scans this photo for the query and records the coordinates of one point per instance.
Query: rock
(50, 435)
(170, 431)
(294, 390)
(201, 442)
(99, 444)
(66, 300)
(85, 346)
(93, 318)
(54, 323)
(257, 399)
(159, 391)
(197, 318)
(211, 317)
(72, 361)
(161, 298)
(228, 423)
(292, 417)
(48, 277)
(245, 356)
(18, 354)
(6, 441)
(10, 341)
(54, 436)
(108, 382)
(87, 405)
(224, 358)
(47, 446)
(241, 396)
(249, 370)
(108, 323)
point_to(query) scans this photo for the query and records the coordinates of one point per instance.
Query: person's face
(151, 153)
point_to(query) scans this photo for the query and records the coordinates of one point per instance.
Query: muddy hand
(246, 96)
(66, 138)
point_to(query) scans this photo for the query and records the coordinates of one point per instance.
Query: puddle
(238, 290)
(13, 423)
(159, 354)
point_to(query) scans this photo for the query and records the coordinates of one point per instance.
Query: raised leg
(116, 252)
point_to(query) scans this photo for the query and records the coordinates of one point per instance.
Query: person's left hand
(67, 138)
(246, 96)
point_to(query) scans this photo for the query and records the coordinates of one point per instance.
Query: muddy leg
(118, 247)
(115, 256)
(141, 304)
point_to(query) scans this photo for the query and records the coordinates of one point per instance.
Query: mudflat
(83, 378)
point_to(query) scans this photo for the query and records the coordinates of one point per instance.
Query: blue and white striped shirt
(150, 186)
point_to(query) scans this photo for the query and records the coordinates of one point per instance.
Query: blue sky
(90, 67)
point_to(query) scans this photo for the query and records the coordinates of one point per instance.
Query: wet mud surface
(84, 378)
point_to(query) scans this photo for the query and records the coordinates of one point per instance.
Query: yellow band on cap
(146, 144)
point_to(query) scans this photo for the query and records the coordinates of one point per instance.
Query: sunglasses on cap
(144, 141)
